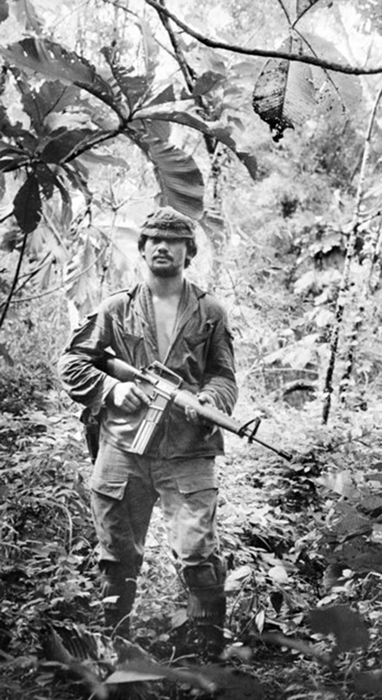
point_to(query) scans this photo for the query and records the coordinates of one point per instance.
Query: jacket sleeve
(77, 366)
(219, 379)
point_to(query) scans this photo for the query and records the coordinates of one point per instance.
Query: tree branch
(15, 280)
(265, 53)
(188, 73)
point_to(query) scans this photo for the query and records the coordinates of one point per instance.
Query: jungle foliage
(261, 121)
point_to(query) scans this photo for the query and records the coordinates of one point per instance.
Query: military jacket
(201, 353)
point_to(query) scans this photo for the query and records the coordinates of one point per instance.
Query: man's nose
(163, 244)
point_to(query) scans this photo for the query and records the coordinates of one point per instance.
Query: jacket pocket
(197, 345)
(198, 336)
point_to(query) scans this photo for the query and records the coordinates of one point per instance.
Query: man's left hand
(206, 400)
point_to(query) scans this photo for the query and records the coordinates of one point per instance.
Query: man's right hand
(129, 397)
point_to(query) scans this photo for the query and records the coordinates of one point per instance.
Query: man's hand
(129, 397)
(206, 400)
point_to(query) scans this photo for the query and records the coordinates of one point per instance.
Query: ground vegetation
(262, 121)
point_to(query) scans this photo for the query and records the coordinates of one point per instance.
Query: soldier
(169, 319)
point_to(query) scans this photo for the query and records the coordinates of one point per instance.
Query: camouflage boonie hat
(166, 222)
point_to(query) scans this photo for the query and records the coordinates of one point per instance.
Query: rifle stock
(166, 384)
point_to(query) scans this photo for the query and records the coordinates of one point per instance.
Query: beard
(170, 270)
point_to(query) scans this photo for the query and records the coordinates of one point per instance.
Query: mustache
(164, 256)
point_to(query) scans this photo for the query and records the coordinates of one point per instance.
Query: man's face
(166, 257)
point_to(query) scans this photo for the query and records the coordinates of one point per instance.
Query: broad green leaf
(39, 102)
(284, 94)
(138, 668)
(63, 144)
(179, 618)
(180, 179)
(56, 63)
(27, 205)
(171, 112)
(335, 91)
(134, 675)
(278, 574)
(8, 149)
(237, 578)
(340, 482)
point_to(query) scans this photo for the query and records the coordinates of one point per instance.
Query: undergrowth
(300, 539)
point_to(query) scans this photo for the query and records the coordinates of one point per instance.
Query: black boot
(207, 618)
(118, 594)
(207, 605)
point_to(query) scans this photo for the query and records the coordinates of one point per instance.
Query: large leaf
(336, 92)
(27, 205)
(56, 63)
(62, 144)
(179, 177)
(288, 93)
(172, 112)
(40, 101)
(284, 94)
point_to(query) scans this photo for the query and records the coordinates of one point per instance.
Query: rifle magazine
(149, 425)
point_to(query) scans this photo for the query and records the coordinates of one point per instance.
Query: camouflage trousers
(125, 488)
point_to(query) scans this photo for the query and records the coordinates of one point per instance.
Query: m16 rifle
(163, 388)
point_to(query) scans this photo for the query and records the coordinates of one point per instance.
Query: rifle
(163, 387)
